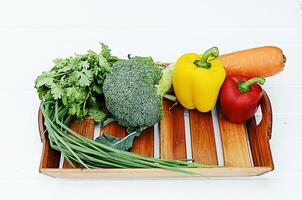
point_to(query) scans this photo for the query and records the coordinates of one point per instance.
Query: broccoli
(131, 92)
(134, 91)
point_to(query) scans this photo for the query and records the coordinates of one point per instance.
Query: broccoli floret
(131, 92)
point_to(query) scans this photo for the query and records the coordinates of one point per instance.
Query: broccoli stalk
(165, 83)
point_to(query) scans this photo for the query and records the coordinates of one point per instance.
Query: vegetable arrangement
(130, 91)
(74, 89)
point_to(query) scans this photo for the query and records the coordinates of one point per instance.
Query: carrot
(257, 62)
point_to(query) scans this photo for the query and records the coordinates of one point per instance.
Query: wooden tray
(245, 147)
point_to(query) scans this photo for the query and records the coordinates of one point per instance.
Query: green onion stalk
(91, 154)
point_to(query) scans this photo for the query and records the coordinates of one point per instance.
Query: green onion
(91, 154)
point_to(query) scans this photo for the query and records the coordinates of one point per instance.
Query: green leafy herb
(77, 81)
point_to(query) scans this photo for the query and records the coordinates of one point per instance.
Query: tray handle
(41, 126)
(267, 117)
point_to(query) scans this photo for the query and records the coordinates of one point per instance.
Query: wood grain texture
(144, 144)
(155, 173)
(50, 158)
(172, 138)
(84, 128)
(234, 142)
(202, 137)
(259, 135)
(172, 132)
(114, 129)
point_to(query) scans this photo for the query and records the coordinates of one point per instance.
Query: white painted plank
(285, 100)
(177, 13)
(287, 159)
(287, 128)
(20, 144)
(34, 32)
(26, 52)
(249, 189)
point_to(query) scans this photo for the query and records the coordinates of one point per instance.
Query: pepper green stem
(244, 86)
(204, 62)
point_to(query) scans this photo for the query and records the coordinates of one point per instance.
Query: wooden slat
(144, 144)
(85, 128)
(202, 137)
(50, 158)
(141, 145)
(234, 142)
(259, 136)
(113, 128)
(172, 132)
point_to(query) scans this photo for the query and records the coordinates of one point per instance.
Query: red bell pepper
(240, 97)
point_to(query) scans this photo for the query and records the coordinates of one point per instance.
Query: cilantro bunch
(76, 82)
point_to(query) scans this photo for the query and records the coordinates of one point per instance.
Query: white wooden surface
(34, 32)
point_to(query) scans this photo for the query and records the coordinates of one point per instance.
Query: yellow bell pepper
(197, 80)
